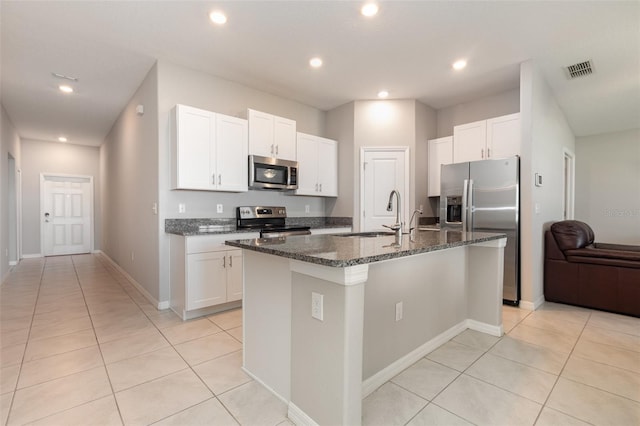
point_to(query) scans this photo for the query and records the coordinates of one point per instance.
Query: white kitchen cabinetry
(497, 137)
(324, 231)
(206, 274)
(209, 151)
(440, 152)
(317, 166)
(271, 136)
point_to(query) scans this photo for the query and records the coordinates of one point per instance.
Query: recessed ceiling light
(458, 65)
(218, 17)
(315, 62)
(66, 89)
(369, 9)
(383, 94)
(62, 139)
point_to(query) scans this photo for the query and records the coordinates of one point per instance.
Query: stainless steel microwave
(272, 173)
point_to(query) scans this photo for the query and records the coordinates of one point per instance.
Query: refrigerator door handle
(465, 205)
(470, 206)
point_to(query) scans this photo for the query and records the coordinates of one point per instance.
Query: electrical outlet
(219, 208)
(399, 311)
(317, 306)
(306, 208)
(154, 208)
(182, 208)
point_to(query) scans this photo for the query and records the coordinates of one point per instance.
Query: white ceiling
(407, 49)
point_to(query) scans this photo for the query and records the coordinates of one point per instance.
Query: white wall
(545, 134)
(179, 85)
(608, 185)
(9, 145)
(129, 167)
(504, 103)
(54, 157)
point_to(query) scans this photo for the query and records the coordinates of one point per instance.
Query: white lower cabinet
(206, 275)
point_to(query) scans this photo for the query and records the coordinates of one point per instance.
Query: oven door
(272, 173)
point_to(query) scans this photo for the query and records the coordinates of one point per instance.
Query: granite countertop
(342, 251)
(203, 226)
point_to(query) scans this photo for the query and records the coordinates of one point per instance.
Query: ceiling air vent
(581, 69)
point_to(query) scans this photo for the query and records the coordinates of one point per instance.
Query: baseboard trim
(390, 371)
(483, 327)
(32, 256)
(299, 417)
(267, 387)
(532, 306)
(137, 285)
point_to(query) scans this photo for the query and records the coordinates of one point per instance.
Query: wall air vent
(581, 69)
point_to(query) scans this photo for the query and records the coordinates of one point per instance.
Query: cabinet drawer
(205, 243)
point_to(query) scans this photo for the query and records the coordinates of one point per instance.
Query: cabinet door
(503, 136)
(194, 148)
(231, 153)
(327, 167)
(440, 152)
(234, 275)
(469, 142)
(284, 135)
(307, 165)
(261, 134)
(206, 280)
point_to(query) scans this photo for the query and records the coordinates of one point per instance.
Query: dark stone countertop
(191, 227)
(343, 251)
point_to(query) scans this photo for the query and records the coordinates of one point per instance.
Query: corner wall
(9, 145)
(129, 176)
(54, 157)
(545, 134)
(607, 195)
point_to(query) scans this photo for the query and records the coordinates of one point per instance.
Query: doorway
(383, 169)
(66, 214)
(568, 186)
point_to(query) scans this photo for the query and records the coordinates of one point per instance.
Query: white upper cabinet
(271, 136)
(317, 166)
(504, 135)
(440, 152)
(209, 151)
(497, 137)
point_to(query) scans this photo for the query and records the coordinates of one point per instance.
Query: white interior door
(384, 169)
(66, 214)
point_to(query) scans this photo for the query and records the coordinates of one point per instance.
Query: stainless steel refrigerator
(484, 196)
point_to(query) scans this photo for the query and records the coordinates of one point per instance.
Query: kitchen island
(330, 318)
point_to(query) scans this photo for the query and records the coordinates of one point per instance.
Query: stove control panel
(261, 212)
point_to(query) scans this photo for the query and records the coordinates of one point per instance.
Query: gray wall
(607, 193)
(54, 157)
(129, 167)
(545, 133)
(179, 85)
(426, 128)
(340, 126)
(481, 109)
(9, 145)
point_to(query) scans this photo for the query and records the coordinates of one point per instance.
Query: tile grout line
(33, 314)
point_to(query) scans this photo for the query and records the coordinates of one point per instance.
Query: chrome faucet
(398, 225)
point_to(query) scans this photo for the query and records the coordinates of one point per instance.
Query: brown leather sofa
(579, 271)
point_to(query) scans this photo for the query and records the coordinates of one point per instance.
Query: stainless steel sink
(372, 234)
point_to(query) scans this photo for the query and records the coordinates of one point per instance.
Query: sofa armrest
(592, 252)
(622, 247)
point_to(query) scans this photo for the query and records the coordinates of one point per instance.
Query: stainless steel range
(271, 221)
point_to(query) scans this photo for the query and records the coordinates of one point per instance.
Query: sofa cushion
(572, 234)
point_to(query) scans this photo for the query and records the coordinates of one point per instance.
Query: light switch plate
(317, 306)
(219, 208)
(182, 208)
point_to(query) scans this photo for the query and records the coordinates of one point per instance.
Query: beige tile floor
(80, 346)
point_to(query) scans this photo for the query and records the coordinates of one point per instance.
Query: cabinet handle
(482, 153)
(224, 261)
(272, 148)
(213, 179)
(320, 187)
(488, 152)
(276, 149)
(316, 187)
(220, 179)
(230, 261)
